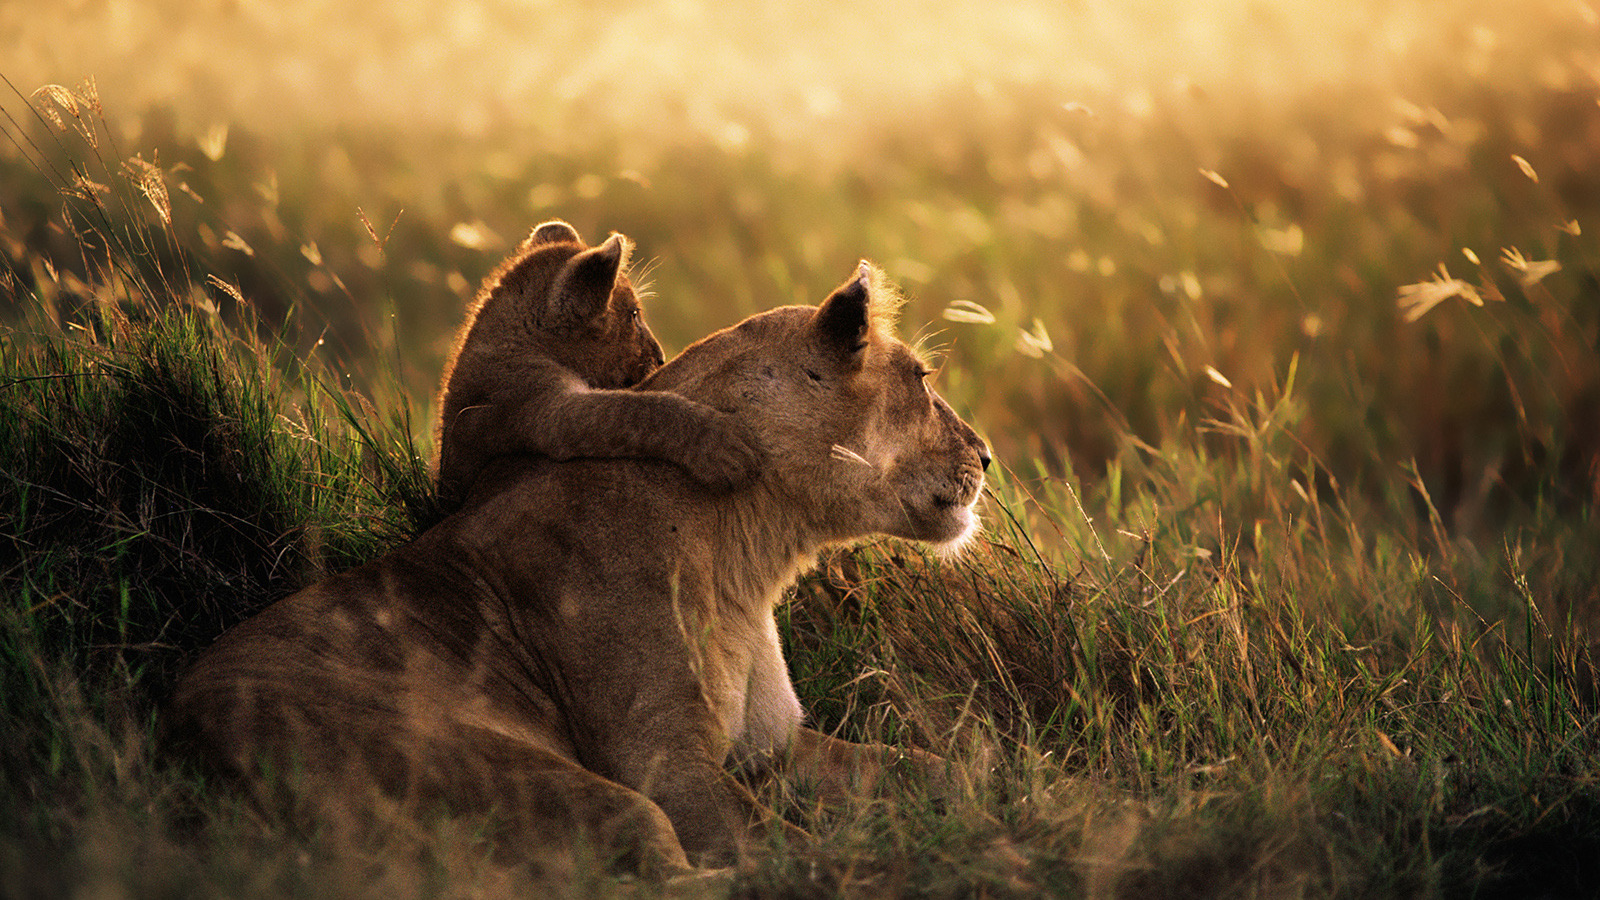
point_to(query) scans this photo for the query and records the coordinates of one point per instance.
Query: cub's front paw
(726, 455)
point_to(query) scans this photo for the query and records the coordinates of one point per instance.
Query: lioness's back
(341, 655)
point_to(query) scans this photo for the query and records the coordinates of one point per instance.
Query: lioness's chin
(967, 528)
(947, 527)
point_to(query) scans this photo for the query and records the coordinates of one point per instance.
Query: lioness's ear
(583, 288)
(554, 231)
(843, 320)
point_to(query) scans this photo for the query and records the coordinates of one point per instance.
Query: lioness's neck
(759, 546)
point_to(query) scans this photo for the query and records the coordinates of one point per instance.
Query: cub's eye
(921, 373)
(638, 314)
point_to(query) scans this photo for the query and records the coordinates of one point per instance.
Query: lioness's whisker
(845, 454)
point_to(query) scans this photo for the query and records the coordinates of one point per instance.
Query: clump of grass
(156, 492)
(166, 474)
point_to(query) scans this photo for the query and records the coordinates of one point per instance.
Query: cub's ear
(842, 322)
(583, 287)
(554, 231)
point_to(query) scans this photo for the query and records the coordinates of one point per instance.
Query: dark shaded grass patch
(156, 492)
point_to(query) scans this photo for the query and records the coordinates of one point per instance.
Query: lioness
(584, 647)
(554, 334)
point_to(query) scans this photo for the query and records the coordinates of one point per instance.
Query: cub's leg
(532, 404)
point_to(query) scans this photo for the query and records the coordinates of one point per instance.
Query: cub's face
(855, 433)
(614, 349)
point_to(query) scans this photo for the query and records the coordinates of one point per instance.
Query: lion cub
(543, 363)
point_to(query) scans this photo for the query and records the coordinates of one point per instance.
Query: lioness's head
(577, 305)
(854, 431)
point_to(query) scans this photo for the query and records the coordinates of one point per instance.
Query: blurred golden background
(692, 69)
(1117, 218)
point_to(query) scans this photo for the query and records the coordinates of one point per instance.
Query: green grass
(1280, 594)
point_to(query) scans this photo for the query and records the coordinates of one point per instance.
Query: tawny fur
(585, 647)
(554, 336)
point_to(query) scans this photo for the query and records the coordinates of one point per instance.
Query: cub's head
(574, 303)
(857, 438)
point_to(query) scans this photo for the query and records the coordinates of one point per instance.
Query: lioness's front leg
(838, 768)
(673, 755)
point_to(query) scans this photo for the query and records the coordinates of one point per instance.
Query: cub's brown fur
(554, 336)
(584, 647)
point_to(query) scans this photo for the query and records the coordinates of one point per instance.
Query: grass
(1281, 594)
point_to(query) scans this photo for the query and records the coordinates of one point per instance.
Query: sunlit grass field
(1290, 358)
